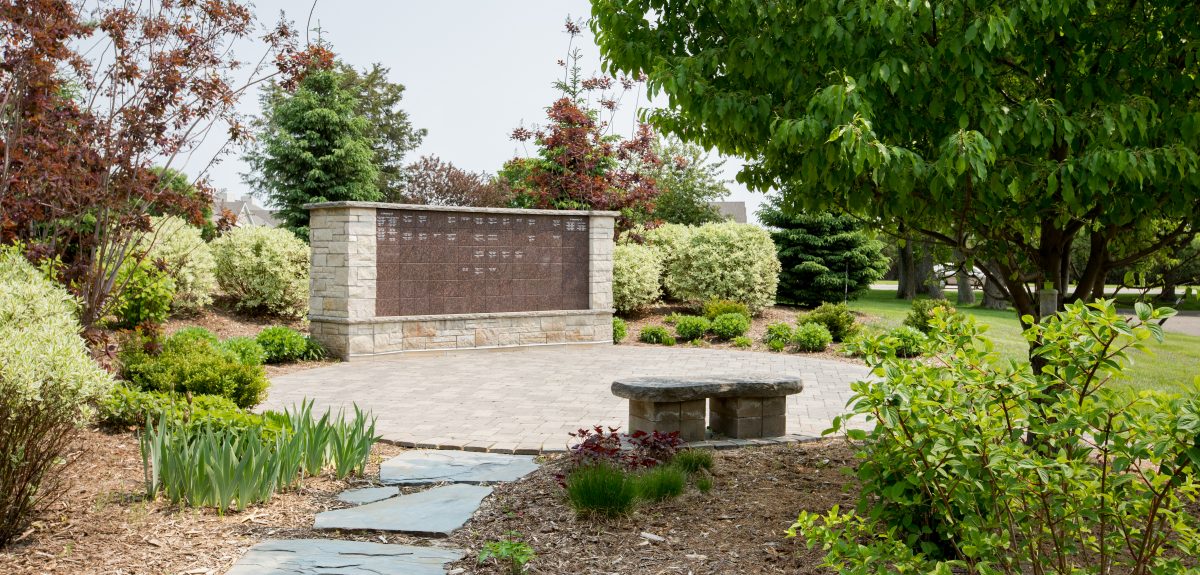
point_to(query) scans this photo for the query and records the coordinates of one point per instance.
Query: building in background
(732, 211)
(248, 213)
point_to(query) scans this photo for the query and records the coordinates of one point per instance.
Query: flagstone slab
(330, 557)
(368, 494)
(420, 467)
(435, 512)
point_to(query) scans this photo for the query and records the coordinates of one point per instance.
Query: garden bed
(103, 525)
(657, 314)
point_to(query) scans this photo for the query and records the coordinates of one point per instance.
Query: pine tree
(826, 257)
(316, 150)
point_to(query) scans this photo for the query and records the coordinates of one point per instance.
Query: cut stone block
(368, 494)
(433, 513)
(422, 467)
(324, 556)
(683, 417)
(748, 417)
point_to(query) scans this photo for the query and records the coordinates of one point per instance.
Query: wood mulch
(655, 315)
(103, 524)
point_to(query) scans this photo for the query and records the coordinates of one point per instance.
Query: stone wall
(343, 292)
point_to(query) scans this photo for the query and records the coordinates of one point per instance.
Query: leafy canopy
(1019, 125)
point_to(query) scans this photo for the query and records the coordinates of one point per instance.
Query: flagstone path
(436, 512)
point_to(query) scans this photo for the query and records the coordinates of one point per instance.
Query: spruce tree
(316, 150)
(826, 257)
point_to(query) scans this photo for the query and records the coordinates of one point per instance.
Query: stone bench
(738, 407)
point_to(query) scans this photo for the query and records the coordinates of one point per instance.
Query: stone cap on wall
(471, 209)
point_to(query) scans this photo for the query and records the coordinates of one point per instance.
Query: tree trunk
(993, 292)
(927, 282)
(1168, 295)
(906, 286)
(966, 292)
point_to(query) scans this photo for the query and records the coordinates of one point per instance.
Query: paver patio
(528, 399)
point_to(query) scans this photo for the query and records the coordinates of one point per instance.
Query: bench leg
(686, 417)
(748, 417)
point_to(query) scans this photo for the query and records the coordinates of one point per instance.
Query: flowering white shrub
(636, 272)
(264, 269)
(187, 259)
(728, 261)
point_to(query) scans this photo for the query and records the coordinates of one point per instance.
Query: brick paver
(528, 399)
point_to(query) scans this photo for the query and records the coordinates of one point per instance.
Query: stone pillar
(601, 231)
(1047, 302)
(342, 284)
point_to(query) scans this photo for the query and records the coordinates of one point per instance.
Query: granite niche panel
(432, 262)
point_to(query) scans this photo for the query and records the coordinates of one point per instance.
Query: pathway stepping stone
(368, 494)
(324, 556)
(432, 513)
(420, 467)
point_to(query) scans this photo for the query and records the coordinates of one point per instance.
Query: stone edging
(468, 209)
(706, 444)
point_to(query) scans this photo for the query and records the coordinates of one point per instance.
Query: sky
(473, 70)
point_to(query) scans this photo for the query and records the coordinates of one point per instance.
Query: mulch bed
(104, 526)
(654, 315)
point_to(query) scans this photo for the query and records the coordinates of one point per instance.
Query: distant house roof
(248, 213)
(734, 211)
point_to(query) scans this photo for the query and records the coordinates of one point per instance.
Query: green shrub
(906, 341)
(264, 269)
(727, 261)
(661, 483)
(1080, 473)
(282, 344)
(655, 334)
(672, 318)
(743, 342)
(717, 307)
(126, 407)
(189, 337)
(199, 368)
(692, 461)
(778, 336)
(811, 337)
(144, 294)
(178, 248)
(690, 327)
(731, 325)
(636, 272)
(922, 312)
(511, 551)
(245, 349)
(836, 317)
(48, 382)
(666, 241)
(620, 330)
(601, 489)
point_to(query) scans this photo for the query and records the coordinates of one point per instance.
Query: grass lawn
(1172, 367)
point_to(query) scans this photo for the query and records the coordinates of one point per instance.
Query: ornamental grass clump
(975, 465)
(661, 483)
(601, 489)
(693, 461)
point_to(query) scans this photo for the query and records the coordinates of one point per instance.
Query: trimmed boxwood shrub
(190, 363)
(727, 261)
(192, 335)
(716, 307)
(907, 341)
(128, 407)
(655, 334)
(836, 317)
(245, 349)
(48, 382)
(778, 336)
(264, 269)
(690, 327)
(811, 337)
(731, 325)
(636, 271)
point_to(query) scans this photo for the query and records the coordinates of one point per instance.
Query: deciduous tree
(1022, 125)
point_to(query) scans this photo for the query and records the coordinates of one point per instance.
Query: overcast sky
(473, 70)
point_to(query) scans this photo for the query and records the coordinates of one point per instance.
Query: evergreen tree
(315, 149)
(826, 257)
